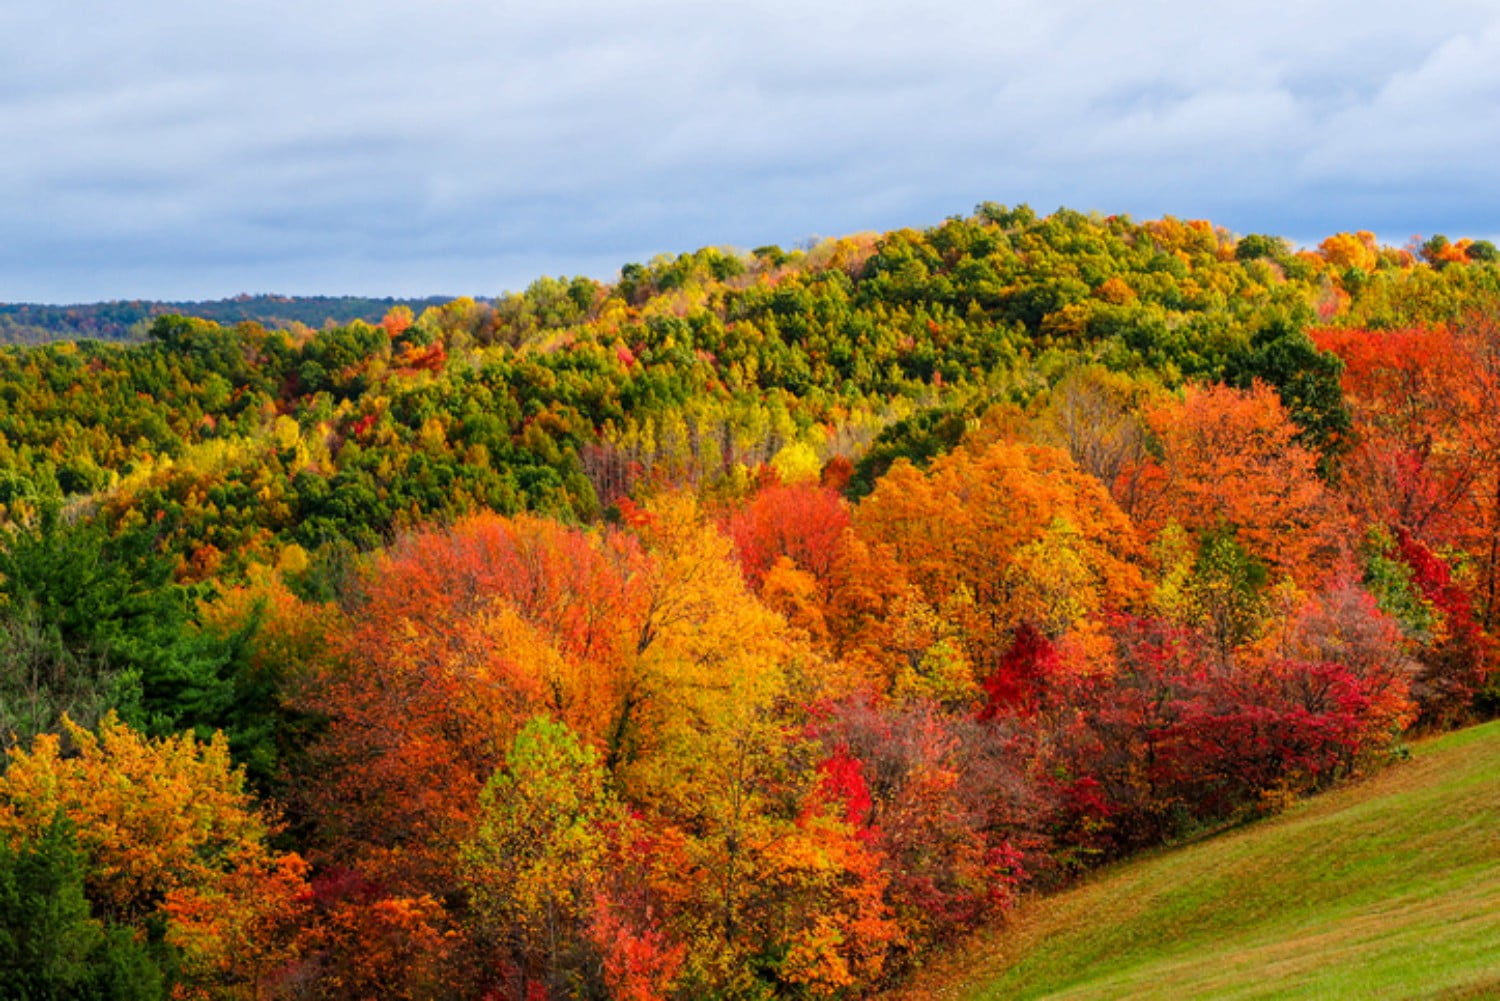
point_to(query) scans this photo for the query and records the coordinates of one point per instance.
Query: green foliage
(42, 678)
(1307, 379)
(1260, 245)
(51, 949)
(1215, 585)
(535, 860)
(1390, 580)
(1484, 251)
(539, 832)
(919, 439)
(92, 623)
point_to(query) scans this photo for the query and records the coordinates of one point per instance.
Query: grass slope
(1386, 889)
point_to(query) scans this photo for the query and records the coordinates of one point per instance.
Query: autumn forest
(751, 627)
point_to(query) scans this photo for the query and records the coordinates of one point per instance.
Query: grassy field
(1386, 889)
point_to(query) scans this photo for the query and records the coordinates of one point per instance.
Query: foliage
(749, 627)
(537, 853)
(170, 838)
(50, 945)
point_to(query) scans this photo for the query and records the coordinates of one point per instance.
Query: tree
(1230, 463)
(1215, 587)
(802, 522)
(50, 945)
(460, 637)
(1092, 413)
(1426, 458)
(1306, 379)
(1017, 529)
(943, 802)
(537, 853)
(168, 834)
(94, 623)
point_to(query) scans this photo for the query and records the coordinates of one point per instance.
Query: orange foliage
(1426, 454)
(1230, 461)
(1006, 534)
(169, 831)
(362, 943)
(1115, 290)
(463, 635)
(640, 962)
(1351, 250)
(801, 522)
(396, 320)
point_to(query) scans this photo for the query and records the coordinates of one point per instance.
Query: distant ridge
(127, 320)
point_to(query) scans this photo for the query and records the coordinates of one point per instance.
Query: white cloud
(180, 148)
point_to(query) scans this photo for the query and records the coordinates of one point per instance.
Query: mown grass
(1387, 889)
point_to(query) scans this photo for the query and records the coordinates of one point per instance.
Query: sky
(177, 149)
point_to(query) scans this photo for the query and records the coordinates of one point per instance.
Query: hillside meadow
(1388, 888)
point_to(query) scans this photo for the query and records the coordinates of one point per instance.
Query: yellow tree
(719, 754)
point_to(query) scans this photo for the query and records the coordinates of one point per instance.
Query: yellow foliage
(986, 523)
(1115, 291)
(797, 463)
(1351, 250)
(285, 432)
(164, 824)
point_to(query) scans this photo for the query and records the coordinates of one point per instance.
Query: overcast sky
(176, 149)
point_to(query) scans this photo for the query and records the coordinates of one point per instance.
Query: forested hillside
(31, 323)
(746, 628)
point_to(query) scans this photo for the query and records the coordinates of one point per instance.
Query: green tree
(51, 949)
(95, 622)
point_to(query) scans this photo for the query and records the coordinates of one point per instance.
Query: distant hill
(31, 323)
(1387, 889)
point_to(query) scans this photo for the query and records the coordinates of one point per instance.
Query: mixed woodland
(130, 320)
(749, 627)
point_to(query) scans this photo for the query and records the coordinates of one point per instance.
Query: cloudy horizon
(184, 151)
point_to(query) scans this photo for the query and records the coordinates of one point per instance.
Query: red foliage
(1292, 725)
(948, 804)
(1166, 737)
(1456, 666)
(801, 522)
(837, 473)
(1405, 389)
(420, 358)
(632, 514)
(1017, 684)
(842, 781)
(640, 960)
(1433, 578)
(396, 320)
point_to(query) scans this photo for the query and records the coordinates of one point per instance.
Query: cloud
(180, 149)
